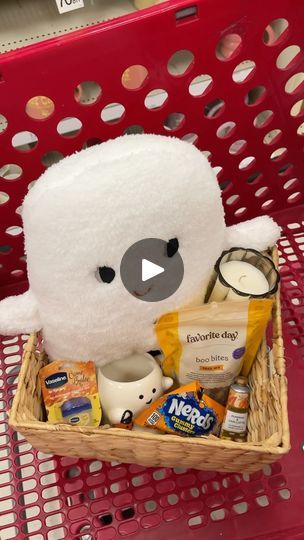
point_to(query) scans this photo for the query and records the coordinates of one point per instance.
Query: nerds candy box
(185, 411)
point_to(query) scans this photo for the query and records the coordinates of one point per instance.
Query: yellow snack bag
(185, 411)
(214, 342)
(70, 393)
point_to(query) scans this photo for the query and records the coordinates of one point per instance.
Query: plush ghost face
(79, 220)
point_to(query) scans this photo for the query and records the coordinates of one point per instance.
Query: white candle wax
(244, 277)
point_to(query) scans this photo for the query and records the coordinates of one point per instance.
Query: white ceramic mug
(130, 384)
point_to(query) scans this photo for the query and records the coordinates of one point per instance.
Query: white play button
(150, 269)
(151, 281)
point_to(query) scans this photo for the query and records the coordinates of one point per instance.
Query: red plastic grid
(291, 251)
(50, 498)
(246, 121)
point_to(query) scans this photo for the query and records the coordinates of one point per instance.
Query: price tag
(68, 5)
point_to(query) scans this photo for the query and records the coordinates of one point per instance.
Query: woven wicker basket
(268, 430)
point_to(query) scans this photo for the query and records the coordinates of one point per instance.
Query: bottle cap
(241, 380)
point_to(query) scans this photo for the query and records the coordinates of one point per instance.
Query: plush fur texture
(259, 233)
(86, 211)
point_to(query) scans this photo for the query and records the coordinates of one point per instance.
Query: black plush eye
(154, 390)
(106, 274)
(172, 247)
(141, 396)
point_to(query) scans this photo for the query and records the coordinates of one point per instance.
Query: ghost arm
(19, 314)
(260, 233)
(167, 383)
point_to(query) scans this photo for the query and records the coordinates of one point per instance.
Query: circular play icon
(152, 269)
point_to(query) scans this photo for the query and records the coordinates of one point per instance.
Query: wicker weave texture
(268, 429)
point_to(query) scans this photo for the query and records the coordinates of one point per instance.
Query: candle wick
(242, 277)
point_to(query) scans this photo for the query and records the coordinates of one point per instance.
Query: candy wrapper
(212, 343)
(185, 411)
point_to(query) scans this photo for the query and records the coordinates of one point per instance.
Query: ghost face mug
(131, 384)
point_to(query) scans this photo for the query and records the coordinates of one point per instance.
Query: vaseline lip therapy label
(70, 393)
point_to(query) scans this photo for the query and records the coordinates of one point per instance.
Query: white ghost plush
(86, 211)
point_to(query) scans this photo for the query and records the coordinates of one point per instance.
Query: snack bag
(214, 342)
(70, 393)
(185, 411)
